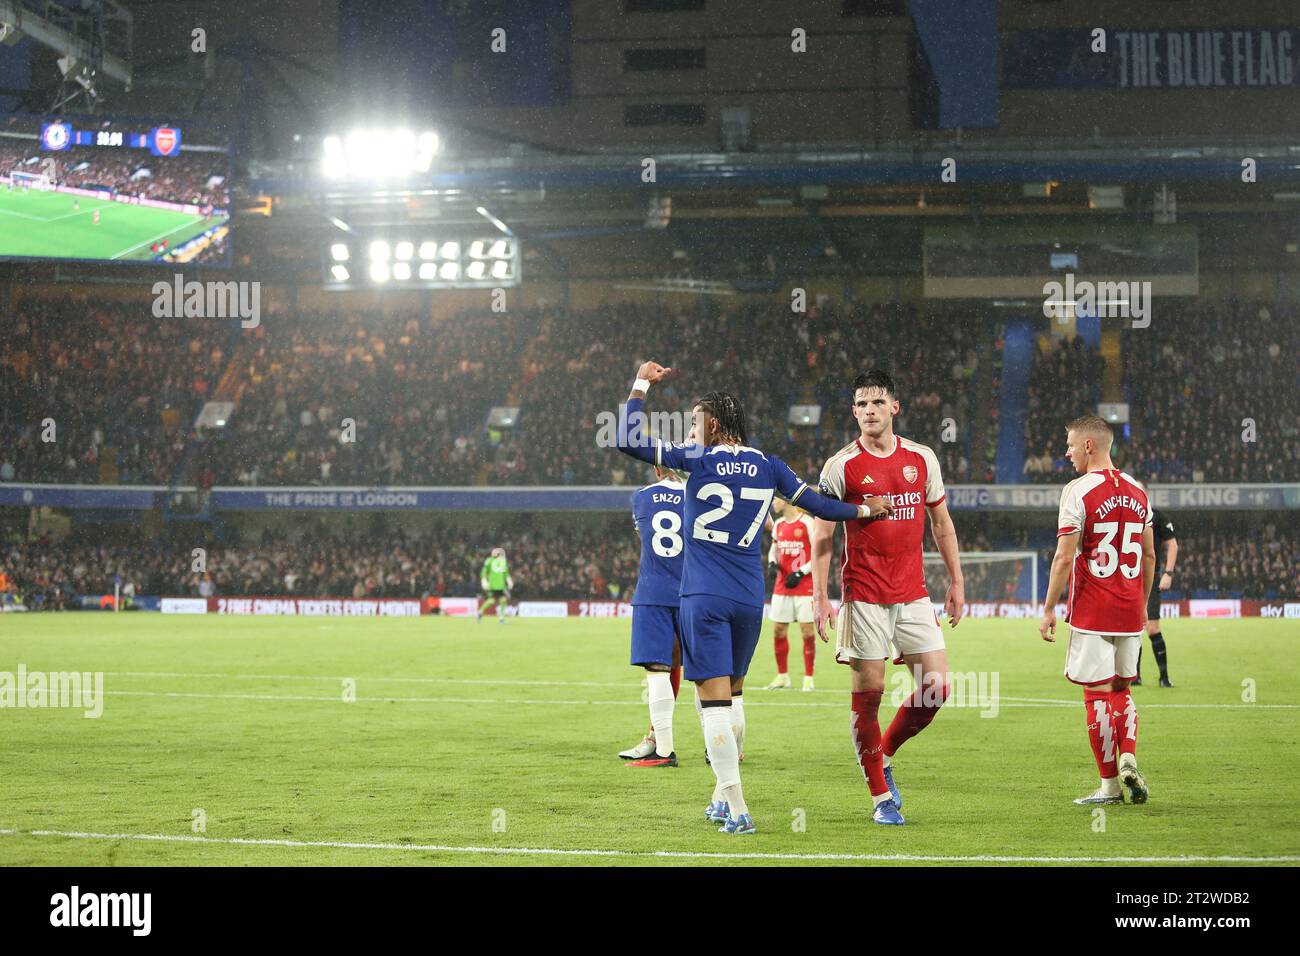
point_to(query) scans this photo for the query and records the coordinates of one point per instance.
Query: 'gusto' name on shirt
(724, 468)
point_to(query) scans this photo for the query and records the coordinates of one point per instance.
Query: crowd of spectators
(98, 391)
(1213, 394)
(360, 398)
(572, 563)
(1064, 382)
(588, 562)
(1248, 561)
(419, 393)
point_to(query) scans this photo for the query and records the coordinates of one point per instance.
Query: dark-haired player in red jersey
(887, 612)
(1105, 547)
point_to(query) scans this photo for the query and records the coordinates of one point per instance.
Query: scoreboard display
(160, 141)
(113, 190)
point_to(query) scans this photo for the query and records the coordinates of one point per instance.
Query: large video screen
(91, 189)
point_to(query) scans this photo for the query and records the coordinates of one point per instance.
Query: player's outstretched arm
(632, 438)
(797, 492)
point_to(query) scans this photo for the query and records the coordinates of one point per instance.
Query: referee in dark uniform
(1167, 554)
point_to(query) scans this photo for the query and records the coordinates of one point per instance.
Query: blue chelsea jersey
(657, 513)
(729, 492)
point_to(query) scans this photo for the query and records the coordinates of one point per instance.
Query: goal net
(18, 177)
(991, 577)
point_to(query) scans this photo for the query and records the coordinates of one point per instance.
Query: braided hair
(731, 417)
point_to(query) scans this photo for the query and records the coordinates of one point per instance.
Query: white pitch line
(626, 685)
(512, 701)
(159, 236)
(631, 854)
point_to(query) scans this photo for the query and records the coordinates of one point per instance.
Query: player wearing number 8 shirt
(1105, 547)
(729, 490)
(657, 517)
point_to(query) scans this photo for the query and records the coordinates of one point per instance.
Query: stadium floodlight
(340, 273)
(379, 271)
(476, 270)
(339, 252)
(404, 250)
(428, 271)
(401, 271)
(450, 250)
(428, 250)
(378, 154)
(477, 249)
(500, 269)
(450, 270)
(379, 251)
(500, 249)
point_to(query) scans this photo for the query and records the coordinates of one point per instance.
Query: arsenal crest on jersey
(909, 472)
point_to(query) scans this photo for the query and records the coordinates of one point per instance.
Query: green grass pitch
(469, 741)
(36, 223)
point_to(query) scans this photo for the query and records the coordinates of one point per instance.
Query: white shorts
(877, 632)
(788, 608)
(1093, 658)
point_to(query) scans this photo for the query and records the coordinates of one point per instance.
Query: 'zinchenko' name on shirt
(1121, 501)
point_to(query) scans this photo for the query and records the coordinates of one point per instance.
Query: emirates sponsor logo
(910, 473)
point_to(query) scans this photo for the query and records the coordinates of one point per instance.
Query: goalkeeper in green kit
(496, 583)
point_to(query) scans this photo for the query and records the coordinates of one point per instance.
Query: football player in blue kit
(657, 517)
(728, 493)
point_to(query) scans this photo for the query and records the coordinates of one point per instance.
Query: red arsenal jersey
(792, 548)
(1111, 511)
(882, 556)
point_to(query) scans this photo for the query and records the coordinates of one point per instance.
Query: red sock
(913, 717)
(864, 725)
(1124, 718)
(782, 646)
(675, 678)
(809, 654)
(1101, 734)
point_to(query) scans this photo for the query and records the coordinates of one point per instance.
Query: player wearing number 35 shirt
(1105, 547)
(729, 490)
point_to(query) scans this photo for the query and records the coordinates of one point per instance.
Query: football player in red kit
(887, 612)
(1105, 549)
(791, 552)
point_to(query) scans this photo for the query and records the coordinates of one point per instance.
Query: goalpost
(18, 177)
(992, 577)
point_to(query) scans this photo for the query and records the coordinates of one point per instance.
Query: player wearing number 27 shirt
(1105, 547)
(729, 490)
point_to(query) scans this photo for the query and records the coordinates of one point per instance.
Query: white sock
(738, 721)
(699, 711)
(724, 757)
(1110, 786)
(878, 798)
(661, 710)
(884, 760)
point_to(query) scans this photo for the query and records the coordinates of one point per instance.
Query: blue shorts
(654, 632)
(718, 636)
